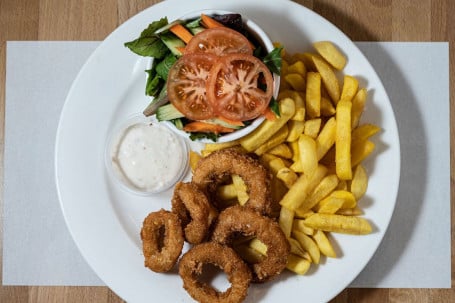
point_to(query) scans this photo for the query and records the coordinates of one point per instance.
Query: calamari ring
(236, 220)
(161, 228)
(191, 267)
(212, 170)
(194, 210)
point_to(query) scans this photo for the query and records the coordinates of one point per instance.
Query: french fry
(298, 264)
(277, 138)
(281, 150)
(302, 188)
(294, 145)
(241, 189)
(227, 192)
(266, 158)
(248, 253)
(194, 158)
(308, 244)
(360, 151)
(331, 54)
(342, 185)
(329, 205)
(308, 156)
(268, 128)
(286, 220)
(299, 225)
(287, 175)
(343, 140)
(326, 138)
(328, 78)
(286, 93)
(350, 86)
(304, 215)
(296, 128)
(312, 127)
(356, 211)
(299, 114)
(300, 110)
(364, 132)
(258, 246)
(324, 244)
(358, 105)
(323, 189)
(279, 189)
(297, 67)
(275, 165)
(327, 108)
(339, 224)
(296, 81)
(348, 198)
(359, 182)
(297, 249)
(313, 94)
(218, 146)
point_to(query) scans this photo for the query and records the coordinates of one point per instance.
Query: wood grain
(373, 20)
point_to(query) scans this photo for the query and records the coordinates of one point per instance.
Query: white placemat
(38, 249)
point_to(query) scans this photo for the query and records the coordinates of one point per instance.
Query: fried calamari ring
(214, 169)
(191, 267)
(162, 240)
(236, 220)
(194, 210)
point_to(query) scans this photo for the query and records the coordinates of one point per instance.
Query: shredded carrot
(209, 22)
(181, 49)
(203, 127)
(181, 32)
(269, 114)
(233, 122)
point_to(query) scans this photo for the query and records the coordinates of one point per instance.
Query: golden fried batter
(194, 210)
(191, 267)
(212, 170)
(237, 220)
(162, 240)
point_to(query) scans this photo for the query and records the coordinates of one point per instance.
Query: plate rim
(126, 24)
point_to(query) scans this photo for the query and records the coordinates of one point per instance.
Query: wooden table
(373, 20)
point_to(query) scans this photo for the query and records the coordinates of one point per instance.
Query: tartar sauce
(148, 157)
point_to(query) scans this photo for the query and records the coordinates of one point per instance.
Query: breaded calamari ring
(191, 267)
(161, 228)
(212, 170)
(236, 220)
(194, 210)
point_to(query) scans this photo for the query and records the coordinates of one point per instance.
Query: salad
(209, 76)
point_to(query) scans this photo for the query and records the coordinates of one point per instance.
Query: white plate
(105, 221)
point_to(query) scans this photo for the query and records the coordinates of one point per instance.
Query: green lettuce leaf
(149, 44)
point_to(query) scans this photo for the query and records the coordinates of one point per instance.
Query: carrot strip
(181, 49)
(181, 32)
(209, 22)
(233, 122)
(203, 127)
(269, 114)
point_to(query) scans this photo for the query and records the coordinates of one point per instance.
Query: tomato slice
(219, 41)
(239, 87)
(186, 85)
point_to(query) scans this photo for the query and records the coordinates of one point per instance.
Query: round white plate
(105, 221)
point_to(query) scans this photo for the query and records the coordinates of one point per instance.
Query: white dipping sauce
(148, 157)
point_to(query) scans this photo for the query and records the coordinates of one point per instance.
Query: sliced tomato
(219, 41)
(186, 85)
(239, 87)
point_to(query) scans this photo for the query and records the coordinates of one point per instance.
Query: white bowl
(142, 167)
(266, 42)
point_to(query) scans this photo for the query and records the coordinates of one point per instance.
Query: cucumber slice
(168, 112)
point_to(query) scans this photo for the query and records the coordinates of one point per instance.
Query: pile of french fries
(315, 150)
